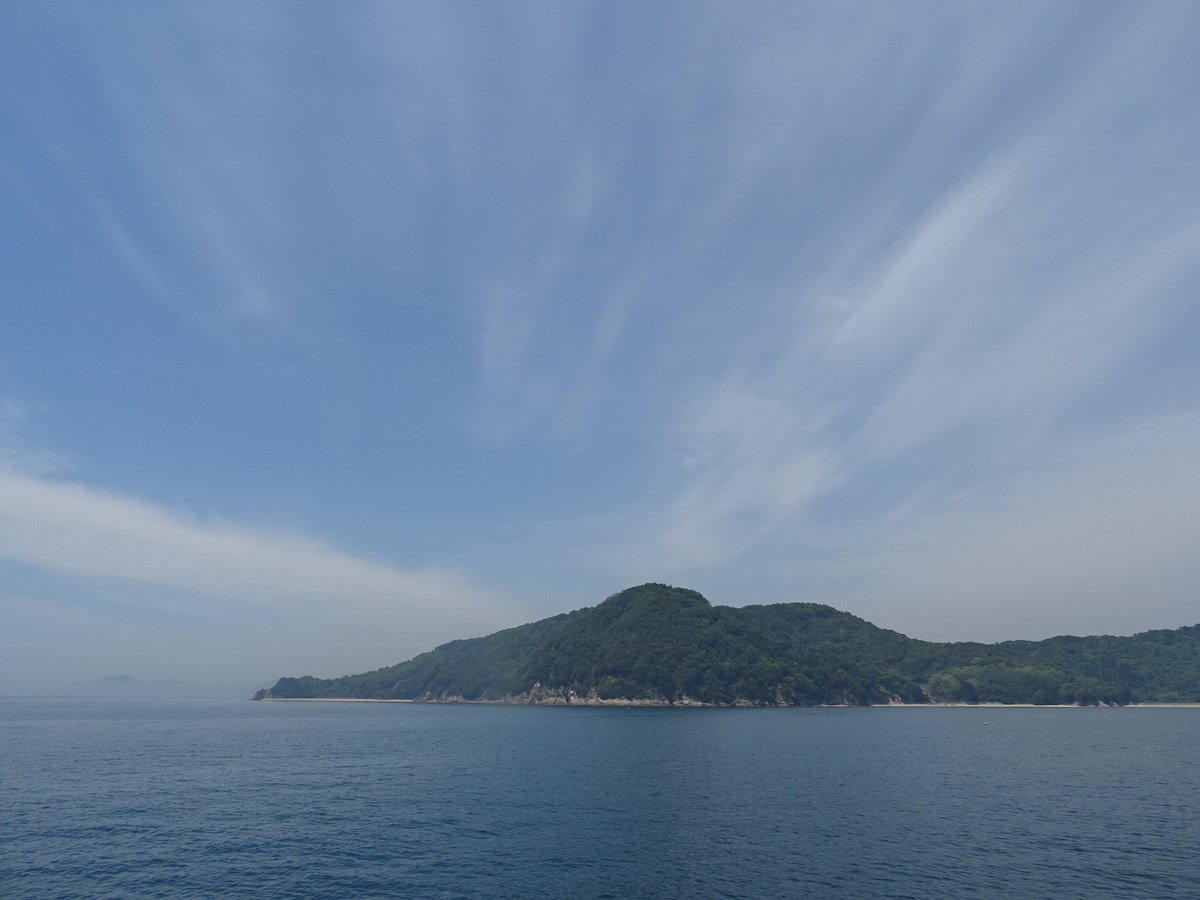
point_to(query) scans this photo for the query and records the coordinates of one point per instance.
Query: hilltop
(656, 644)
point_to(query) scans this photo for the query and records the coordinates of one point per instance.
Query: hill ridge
(663, 645)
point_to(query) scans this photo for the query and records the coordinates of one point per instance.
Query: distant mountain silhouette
(126, 686)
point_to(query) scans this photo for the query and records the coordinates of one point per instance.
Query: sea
(141, 798)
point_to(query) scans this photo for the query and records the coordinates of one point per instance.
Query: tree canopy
(661, 644)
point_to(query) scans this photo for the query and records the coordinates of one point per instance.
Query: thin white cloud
(19, 453)
(194, 205)
(909, 290)
(956, 344)
(124, 552)
(76, 529)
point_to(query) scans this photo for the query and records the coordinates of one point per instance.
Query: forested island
(662, 645)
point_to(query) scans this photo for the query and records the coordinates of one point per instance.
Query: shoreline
(644, 704)
(1151, 705)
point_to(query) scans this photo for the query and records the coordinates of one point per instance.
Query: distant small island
(127, 686)
(667, 646)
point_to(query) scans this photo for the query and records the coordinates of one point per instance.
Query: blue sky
(335, 331)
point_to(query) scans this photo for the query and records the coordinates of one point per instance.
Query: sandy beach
(873, 706)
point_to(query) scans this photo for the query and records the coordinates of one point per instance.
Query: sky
(332, 332)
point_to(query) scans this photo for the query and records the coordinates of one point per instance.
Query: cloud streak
(86, 532)
(964, 342)
(175, 568)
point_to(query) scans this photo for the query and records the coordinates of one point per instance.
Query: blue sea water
(234, 799)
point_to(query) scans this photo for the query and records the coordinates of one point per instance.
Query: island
(666, 646)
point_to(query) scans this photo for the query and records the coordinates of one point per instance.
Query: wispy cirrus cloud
(969, 337)
(192, 167)
(1097, 538)
(18, 452)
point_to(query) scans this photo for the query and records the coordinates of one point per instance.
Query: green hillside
(660, 644)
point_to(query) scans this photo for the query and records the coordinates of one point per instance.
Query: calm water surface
(233, 799)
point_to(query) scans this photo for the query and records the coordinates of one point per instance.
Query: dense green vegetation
(661, 644)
